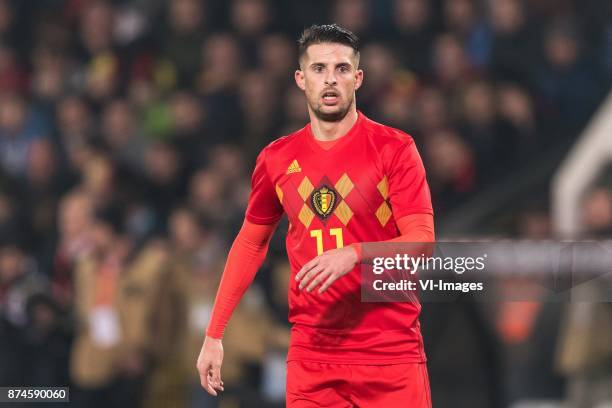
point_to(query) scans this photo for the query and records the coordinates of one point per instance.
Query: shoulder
(282, 145)
(385, 139)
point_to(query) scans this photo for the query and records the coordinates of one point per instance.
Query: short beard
(332, 117)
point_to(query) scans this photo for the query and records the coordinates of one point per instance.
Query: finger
(202, 374)
(206, 384)
(332, 278)
(309, 276)
(317, 280)
(215, 374)
(307, 266)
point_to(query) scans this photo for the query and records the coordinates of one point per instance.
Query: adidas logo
(294, 167)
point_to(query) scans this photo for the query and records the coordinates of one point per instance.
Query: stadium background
(128, 130)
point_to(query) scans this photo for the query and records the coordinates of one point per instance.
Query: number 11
(334, 232)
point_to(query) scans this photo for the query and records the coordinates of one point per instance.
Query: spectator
(115, 299)
(451, 163)
(181, 41)
(19, 283)
(164, 184)
(463, 18)
(567, 83)
(514, 49)
(414, 34)
(20, 126)
(250, 20)
(122, 136)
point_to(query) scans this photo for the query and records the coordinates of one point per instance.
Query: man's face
(329, 76)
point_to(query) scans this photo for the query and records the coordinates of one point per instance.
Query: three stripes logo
(294, 167)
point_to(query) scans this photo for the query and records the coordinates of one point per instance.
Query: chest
(321, 187)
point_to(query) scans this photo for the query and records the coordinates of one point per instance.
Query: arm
(331, 265)
(413, 228)
(248, 252)
(244, 259)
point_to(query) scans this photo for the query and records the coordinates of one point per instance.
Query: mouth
(330, 97)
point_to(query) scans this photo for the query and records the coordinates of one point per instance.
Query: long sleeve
(243, 261)
(413, 228)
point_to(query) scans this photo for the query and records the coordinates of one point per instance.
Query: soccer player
(342, 180)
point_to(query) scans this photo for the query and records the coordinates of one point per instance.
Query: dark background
(128, 131)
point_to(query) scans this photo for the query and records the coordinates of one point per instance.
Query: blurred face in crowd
(254, 87)
(6, 16)
(449, 59)
(12, 113)
(329, 76)
(73, 117)
(506, 16)
(459, 14)
(276, 55)
(516, 105)
(98, 175)
(228, 163)
(48, 78)
(450, 157)
(117, 124)
(205, 187)
(561, 49)
(432, 111)
(96, 26)
(75, 215)
(186, 111)
(478, 103)
(411, 14)
(186, 16)
(41, 163)
(184, 229)
(11, 263)
(352, 14)
(380, 63)
(220, 61)
(250, 17)
(162, 163)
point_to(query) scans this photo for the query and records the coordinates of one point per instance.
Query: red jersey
(350, 193)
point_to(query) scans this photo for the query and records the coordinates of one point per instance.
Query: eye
(318, 68)
(343, 68)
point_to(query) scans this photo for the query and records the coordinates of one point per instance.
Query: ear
(358, 78)
(299, 79)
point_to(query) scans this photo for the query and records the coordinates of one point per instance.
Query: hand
(326, 268)
(209, 365)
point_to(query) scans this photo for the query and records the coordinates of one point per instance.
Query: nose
(330, 80)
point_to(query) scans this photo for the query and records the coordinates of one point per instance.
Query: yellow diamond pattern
(383, 213)
(306, 215)
(343, 212)
(279, 193)
(305, 188)
(344, 185)
(383, 187)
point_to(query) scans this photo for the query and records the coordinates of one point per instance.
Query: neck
(326, 131)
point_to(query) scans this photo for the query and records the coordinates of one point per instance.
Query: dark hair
(327, 33)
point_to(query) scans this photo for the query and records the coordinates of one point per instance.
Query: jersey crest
(323, 201)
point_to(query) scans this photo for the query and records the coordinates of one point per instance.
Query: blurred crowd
(128, 130)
